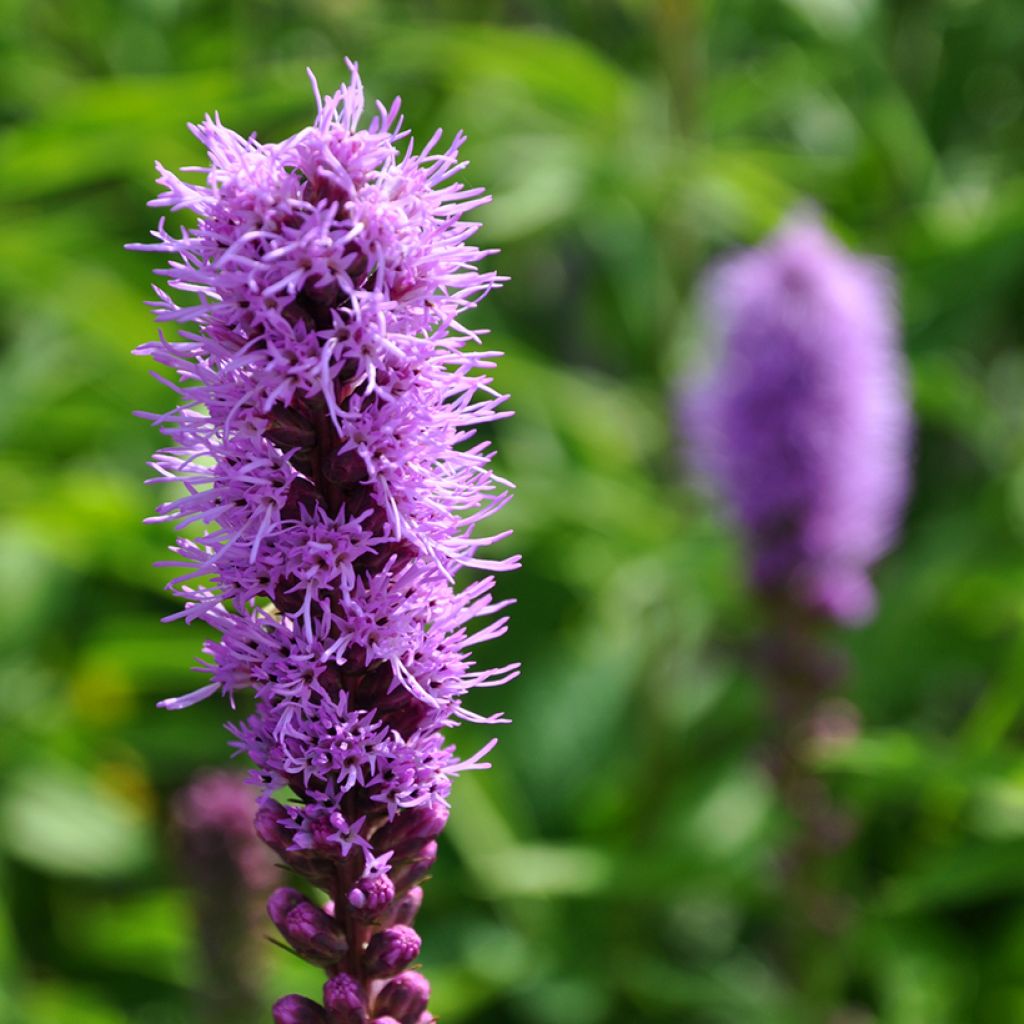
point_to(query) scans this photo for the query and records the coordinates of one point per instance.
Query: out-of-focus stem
(803, 671)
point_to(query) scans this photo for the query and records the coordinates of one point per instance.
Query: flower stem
(803, 671)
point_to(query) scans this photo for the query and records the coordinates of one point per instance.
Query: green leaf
(62, 822)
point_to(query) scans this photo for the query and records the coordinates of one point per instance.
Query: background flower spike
(803, 424)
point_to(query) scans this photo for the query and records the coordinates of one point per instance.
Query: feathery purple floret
(803, 425)
(329, 490)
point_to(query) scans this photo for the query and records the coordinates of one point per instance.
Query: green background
(618, 864)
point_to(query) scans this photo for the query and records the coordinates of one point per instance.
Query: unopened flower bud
(414, 869)
(322, 831)
(314, 935)
(345, 1001)
(371, 895)
(269, 826)
(423, 822)
(404, 998)
(271, 829)
(406, 909)
(281, 902)
(298, 1010)
(392, 950)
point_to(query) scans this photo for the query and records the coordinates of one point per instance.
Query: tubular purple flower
(329, 487)
(803, 425)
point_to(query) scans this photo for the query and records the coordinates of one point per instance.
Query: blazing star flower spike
(329, 487)
(803, 425)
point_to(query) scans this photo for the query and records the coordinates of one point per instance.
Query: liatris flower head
(803, 424)
(329, 488)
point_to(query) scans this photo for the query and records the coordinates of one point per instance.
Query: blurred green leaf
(60, 821)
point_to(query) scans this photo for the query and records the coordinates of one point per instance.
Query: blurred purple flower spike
(228, 871)
(328, 491)
(803, 427)
(803, 424)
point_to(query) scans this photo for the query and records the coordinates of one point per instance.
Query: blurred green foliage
(618, 862)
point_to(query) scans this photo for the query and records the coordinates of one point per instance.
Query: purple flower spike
(329, 487)
(803, 425)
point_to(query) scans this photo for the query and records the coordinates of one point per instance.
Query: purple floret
(329, 485)
(803, 424)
